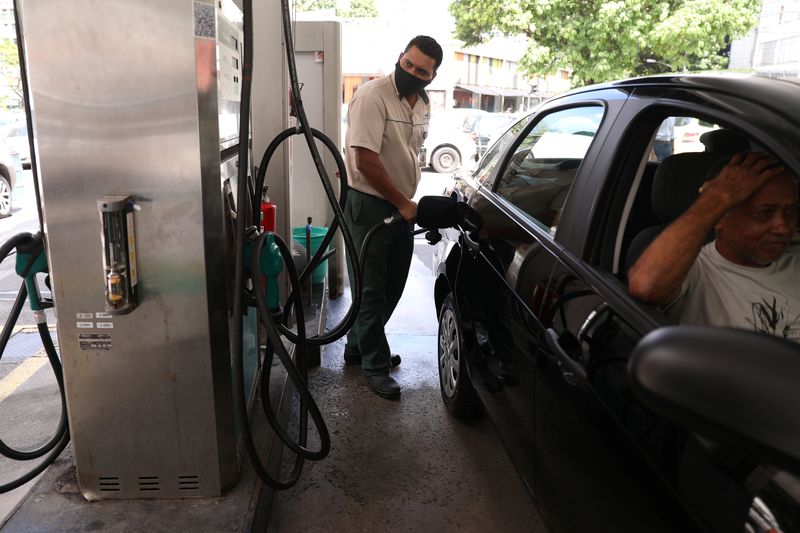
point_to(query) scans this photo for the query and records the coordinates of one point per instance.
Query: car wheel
(457, 392)
(5, 197)
(445, 159)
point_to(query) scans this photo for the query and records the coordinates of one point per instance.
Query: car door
(590, 432)
(545, 168)
(504, 275)
(604, 462)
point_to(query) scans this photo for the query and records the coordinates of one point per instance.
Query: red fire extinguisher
(268, 213)
(267, 222)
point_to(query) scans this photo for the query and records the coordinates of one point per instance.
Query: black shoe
(355, 359)
(384, 386)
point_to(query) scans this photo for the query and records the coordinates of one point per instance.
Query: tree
(9, 69)
(357, 9)
(601, 40)
(314, 5)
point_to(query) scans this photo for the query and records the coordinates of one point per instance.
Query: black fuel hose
(296, 369)
(346, 323)
(53, 447)
(294, 374)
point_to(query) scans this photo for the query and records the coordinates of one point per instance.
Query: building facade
(773, 48)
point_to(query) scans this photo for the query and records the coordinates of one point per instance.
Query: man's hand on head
(742, 177)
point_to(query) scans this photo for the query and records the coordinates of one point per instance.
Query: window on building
(767, 54)
(789, 50)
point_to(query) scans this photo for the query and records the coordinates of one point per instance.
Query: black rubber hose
(55, 363)
(61, 437)
(237, 330)
(46, 462)
(13, 316)
(349, 243)
(340, 166)
(298, 378)
(349, 319)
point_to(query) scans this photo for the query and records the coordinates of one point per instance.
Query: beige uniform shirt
(382, 121)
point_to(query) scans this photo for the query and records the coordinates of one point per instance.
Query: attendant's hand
(409, 211)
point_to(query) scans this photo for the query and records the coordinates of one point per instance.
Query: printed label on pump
(95, 341)
(105, 325)
(85, 325)
(132, 250)
(84, 316)
(100, 315)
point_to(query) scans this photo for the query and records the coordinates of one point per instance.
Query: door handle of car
(568, 363)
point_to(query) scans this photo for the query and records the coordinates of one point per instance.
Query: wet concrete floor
(404, 465)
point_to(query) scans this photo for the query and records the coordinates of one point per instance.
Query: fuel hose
(51, 449)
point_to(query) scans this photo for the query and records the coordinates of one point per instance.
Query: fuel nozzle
(440, 212)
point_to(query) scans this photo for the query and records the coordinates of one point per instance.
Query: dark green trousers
(385, 271)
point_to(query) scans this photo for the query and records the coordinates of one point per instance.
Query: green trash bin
(317, 234)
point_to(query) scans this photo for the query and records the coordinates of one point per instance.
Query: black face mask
(408, 84)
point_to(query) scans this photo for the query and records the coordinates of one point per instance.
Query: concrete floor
(402, 465)
(394, 466)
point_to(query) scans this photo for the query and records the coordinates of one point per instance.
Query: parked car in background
(615, 418)
(482, 128)
(16, 137)
(444, 145)
(687, 133)
(8, 179)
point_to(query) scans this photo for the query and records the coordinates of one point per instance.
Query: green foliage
(603, 40)
(357, 9)
(9, 69)
(314, 5)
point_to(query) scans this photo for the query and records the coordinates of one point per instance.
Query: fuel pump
(194, 371)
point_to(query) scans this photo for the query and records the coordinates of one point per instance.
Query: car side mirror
(735, 386)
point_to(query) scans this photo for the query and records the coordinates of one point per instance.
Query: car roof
(781, 94)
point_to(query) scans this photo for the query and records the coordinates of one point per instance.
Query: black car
(615, 418)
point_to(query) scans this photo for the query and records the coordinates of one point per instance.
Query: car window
(683, 150)
(493, 157)
(678, 135)
(539, 174)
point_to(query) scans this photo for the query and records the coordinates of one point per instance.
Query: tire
(457, 392)
(5, 197)
(445, 160)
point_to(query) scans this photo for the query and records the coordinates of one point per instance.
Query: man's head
(417, 65)
(756, 231)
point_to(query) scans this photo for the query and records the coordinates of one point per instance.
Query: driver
(745, 278)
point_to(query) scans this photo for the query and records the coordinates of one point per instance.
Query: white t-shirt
(717, 292)
(381, 120)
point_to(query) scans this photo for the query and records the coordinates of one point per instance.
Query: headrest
(676, 183)
(724, 142)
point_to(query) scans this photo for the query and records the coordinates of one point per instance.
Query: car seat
(677, 182)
